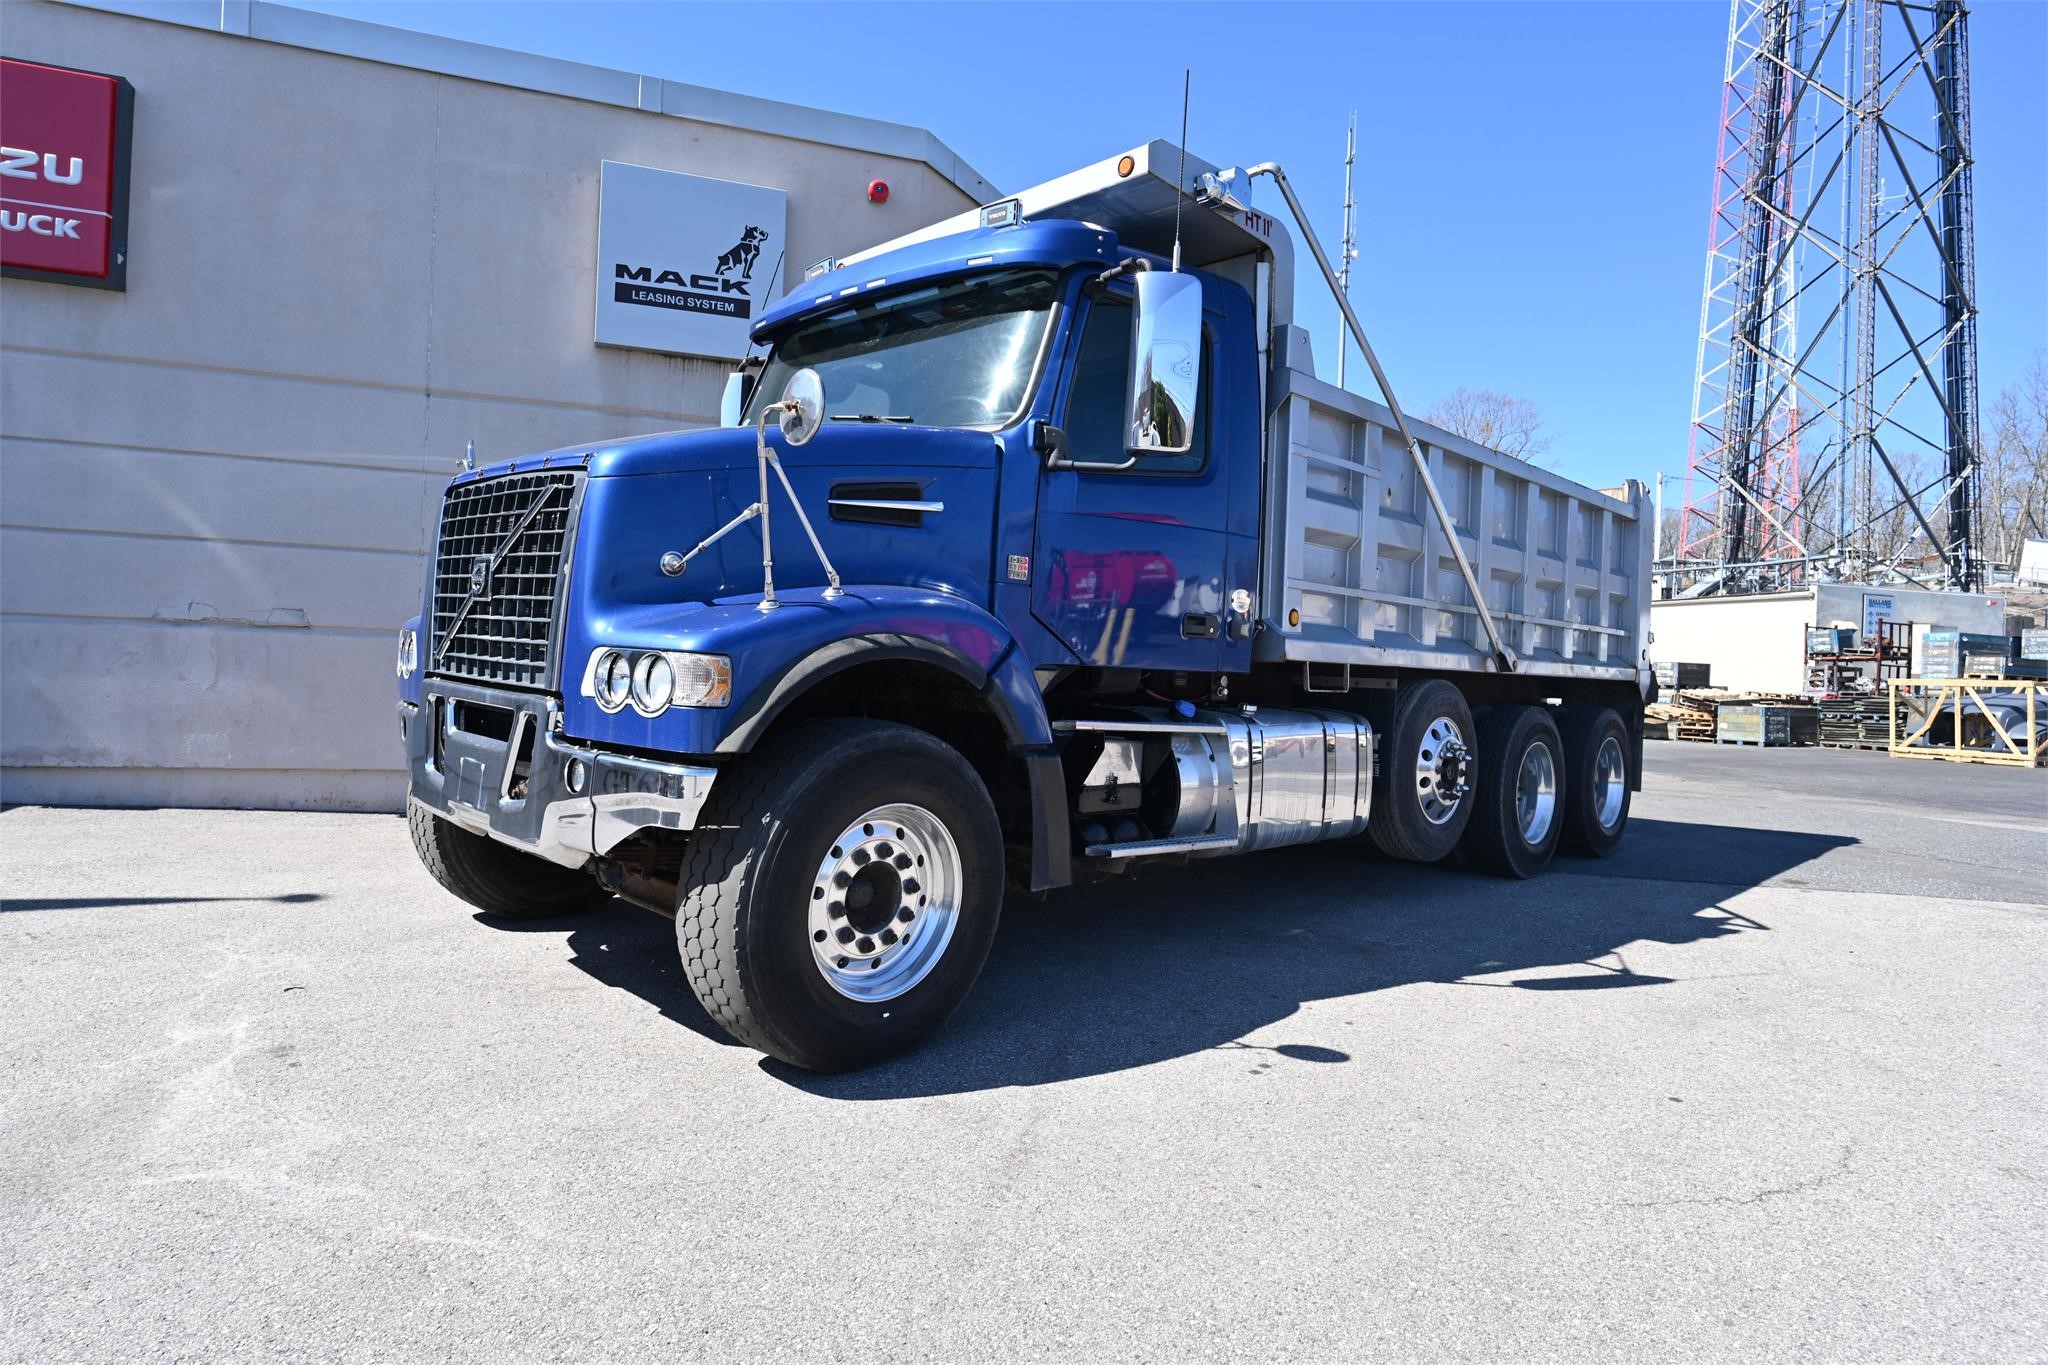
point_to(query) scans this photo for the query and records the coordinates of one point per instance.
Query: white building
(351, 250)
(1757, 642)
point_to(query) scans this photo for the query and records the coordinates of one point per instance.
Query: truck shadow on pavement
(1112, 976)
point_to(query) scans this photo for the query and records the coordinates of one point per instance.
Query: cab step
(1146, 848)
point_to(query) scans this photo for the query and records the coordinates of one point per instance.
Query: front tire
(841, 893)
(496, 879)
(1518, 804)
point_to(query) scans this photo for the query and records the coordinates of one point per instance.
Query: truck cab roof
(1128, 204)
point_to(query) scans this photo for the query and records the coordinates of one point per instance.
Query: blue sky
(1533, 177)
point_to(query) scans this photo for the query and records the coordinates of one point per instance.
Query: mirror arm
(1130, 265)
(1051, 442)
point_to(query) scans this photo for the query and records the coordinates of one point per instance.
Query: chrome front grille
(498, 575)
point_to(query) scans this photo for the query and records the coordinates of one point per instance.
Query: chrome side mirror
(803, 407)
(732, 404)
(1166, 363)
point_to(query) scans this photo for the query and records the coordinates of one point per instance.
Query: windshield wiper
(866, 417)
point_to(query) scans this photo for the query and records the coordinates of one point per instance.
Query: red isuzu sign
(64, 174)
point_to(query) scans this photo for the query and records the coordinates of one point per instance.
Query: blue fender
(779, 655)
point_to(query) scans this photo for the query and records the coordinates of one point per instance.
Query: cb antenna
(1181, 184)
(1348, 252)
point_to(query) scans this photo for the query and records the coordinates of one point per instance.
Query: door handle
(1199, 625)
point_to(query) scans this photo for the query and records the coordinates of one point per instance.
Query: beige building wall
(217, 488)
(1757, 643)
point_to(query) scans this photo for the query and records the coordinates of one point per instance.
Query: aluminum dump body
(1353, 547)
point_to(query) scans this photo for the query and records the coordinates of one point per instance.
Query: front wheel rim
(1536, 794)
(1610, 783)
(885, 902)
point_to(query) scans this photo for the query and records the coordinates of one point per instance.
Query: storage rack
(1863, 671)
(1850, 688)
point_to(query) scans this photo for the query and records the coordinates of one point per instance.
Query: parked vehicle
(1088, 572)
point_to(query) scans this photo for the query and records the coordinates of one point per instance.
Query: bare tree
(2013, 468)
(1510, 425)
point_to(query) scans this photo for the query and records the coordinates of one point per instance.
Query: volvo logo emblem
(480, 576)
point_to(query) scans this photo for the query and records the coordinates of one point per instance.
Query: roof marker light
(812, 272)
(1009, 213)
(1125, 165)
(981, 260)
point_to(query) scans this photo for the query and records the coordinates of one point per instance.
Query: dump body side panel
(1353, 547)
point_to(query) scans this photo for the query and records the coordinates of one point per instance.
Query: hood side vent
(893, 502)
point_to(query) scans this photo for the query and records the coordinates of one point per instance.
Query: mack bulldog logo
(721, 293)
(744, 253)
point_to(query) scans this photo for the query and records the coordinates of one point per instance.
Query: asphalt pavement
(1770, 1083)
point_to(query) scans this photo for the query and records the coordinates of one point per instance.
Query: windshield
(957, 354)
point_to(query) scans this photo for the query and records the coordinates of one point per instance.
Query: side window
(1095, 405)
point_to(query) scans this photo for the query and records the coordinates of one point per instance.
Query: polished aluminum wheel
(885, 902)
(1442, 770)
(1536, 794)
(1610, 782)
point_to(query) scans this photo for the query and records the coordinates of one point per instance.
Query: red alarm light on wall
(878, 191)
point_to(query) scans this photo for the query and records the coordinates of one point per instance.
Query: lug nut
(841, 880)
(910, 886)
(845, 935)
(884, 852)
(906, 914)
(866, 945)
(888, 937)
(861, 857)
(902, 861)
(836, 909)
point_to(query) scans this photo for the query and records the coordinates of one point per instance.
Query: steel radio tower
(1834, 423)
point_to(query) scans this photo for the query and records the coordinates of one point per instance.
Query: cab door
(1129, 564)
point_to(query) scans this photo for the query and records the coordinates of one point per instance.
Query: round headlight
(654, 684)
(612, 680)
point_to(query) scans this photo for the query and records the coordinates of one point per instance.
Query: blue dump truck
(1032, 551)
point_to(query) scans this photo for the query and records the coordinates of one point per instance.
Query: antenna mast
(1186, 80)
(1348, 251)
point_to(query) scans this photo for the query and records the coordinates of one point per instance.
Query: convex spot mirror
(1166, 363)
(804, 407)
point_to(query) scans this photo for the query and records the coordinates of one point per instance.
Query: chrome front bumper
(472, 777)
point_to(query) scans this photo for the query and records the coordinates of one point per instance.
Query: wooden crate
(1919, 705)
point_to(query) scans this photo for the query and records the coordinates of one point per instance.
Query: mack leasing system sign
(684, 264)
(64, 174)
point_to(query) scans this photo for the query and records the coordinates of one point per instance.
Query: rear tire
(1597, 780)
(841, 893)
(1425, 763)
(497, 879)
(1518, 801)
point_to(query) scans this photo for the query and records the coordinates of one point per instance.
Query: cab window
(1095, 402)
